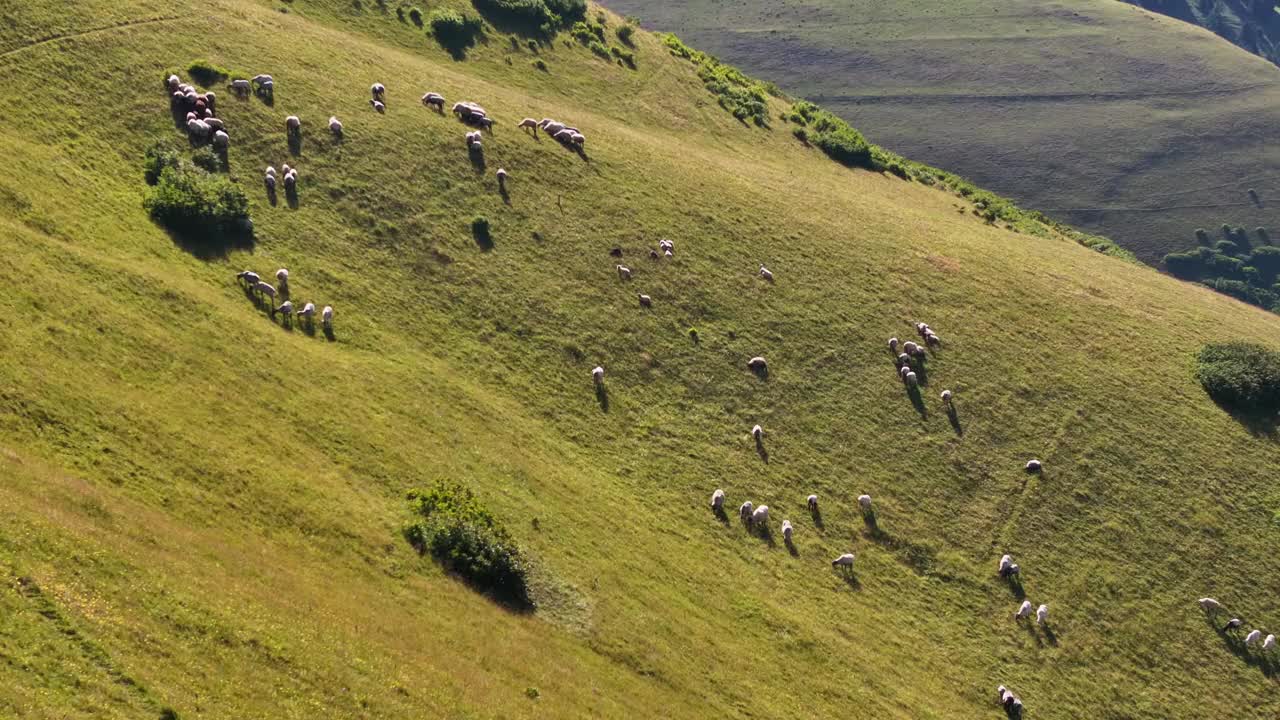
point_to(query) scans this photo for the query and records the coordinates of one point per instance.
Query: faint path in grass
(1030, 97)
(82, 33)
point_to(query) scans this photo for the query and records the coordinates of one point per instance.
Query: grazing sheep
(717, 500)
(893, 344)
(286, 309)
(812, 500)
(1209, 605)
(653, 255)
(377, 105)
(197, 128)
(597, 375)
(290, 179)
(1042, 614)
(267, 88)
(172, 82)
(1024, 610)
(757, 432)
(435, 100)
(932, 340)
(308, 311)
(326, 316)
(1270, 643)
(272, 171)
(865, 502)
(579, 139)
(564, 136)
(1006, 562)
(745, 509)
(786, 531)
(553, 127)
(270, 182)
(249, 277)
(764, 273)
(335, 126)
(909, 347)
(1033, 466)
(378, 90)
(624, 272)
(760, 516)
(845, 560)
(265, 289)
(215, 123)
(912, 379)
(757, 364)
(485, 122)
(240, 87)
(260, 79)
(529, 123)
(904, 360)
(220, 139)
(210, 99)
(902, 372)
(646, 301)
(502, 178)
(668, 253)
(477, 146)
(1233, 624)
(946, 398)
(282, 277)
(1014, 570)
(922, 328)
(1253, 637)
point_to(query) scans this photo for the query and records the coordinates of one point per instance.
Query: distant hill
(1109, 117)
(1252, 24)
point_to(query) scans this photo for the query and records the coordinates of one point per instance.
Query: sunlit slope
(201, 510)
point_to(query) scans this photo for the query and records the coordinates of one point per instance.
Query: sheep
(1253, 637)
(249, 277)
(932, 340)
(757, 433)
(757, 364)
(946, 398)
(326, 316)
(265, 289)
(270, 182)
(282, 277)
(172, 82)
(812, 501)
(210, 99)
(902, 372)
(579, 139)
(198, 128)
(192, 116)
(285, 168)
(1233, 624)
(1042, 614)
(378, 90)
(745, 509)
(765, 274)
(240, 87)
(335, 126)
(893, 345)
(845, 560)
(1006, 562)
(921, 328)
(485, 122)
(1033, 466)
(909, 347)
(260, 79)
(215, 123)
(911, 379)
(477, 146)
(529, 123)
(267, 88)
(786, 531)
(291, 180)
(653, 255)
(460, 108)
(221, 139)
(597, 375)
(1023, 610)
(564, 136)
(553, 127)
(668, 253)
(271, 170)
(502, 178)
(865, 502)
(377, 105)
(308, 311)
(646, 301)
(286, 309)
(435, 100)
(760, 516)
(717, 500)
(624, 272)
(1269, 643)
(1210, 605)
(904, 360)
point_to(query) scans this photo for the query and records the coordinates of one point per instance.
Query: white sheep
(290, 179)
(812, 501)
(326, 316)
(270, 181)
(597, 375)
(308, 311)
(865, 502)
(485, 122)
(260, 79)
(529, 123)
(249, 277)
(267, 87)
(624, 272)
(335, 126)
(757, 432)
(757, 364)
(240, 87)
(502, 177)
(1006, 562)
(646, 301)
(220, 139)
(902, 372)
(282, 276)
(172, 82)
(1023, 610)
(1270, 643)
(1042, 614)
(434, 99)
(1033, 466)
(378, 90)
(764, 273)
(909, 347)
(717, 500)
(786, 531)
(552, 128)
(286, 308)
(845, 560)
(911, 379)
(198, 128)
(477, 146)
(668, 253)
(932, 340)
(215, 123)
(564, 136)
(1208, 604)
(579, 139)
(292, 125)
(265, 289)
(1253, 637)
(285, 168)
(745, 509)
(760, 516)
(904, 360)
(946, 398)
(893, 344)
(377, 105)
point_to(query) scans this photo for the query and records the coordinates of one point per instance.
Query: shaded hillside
(1105, 116)
(1252, 24)
(205, 511)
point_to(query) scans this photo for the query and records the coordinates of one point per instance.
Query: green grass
(211, 506)
(1118, 121)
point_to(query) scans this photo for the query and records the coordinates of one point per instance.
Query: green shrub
(1202, 237)
(625, 33)
(453, 527)
(587, 32)
(532, 45)
(455, 31)
(199, 206)
(528, 16)
(206, 159)
(540, 64)
(1264, 237)
(206, 73)
(837, 139)
(416, 16)
(801, 134)
(1185, 265)
(156, 159)
(598, 49)
(742, 96)
(1243, 377)
(625, 56)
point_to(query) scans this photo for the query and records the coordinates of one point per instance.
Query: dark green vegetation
(1252, 24)
(1235, 265)
(1115, 120)
(1243, 377)
(202, 509)
(455, 30)
(202, 207)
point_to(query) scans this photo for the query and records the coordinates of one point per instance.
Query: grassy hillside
(1116, 120)
(201, 509)
(1252, 24)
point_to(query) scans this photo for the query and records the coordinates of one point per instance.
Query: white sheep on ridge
(717, 500)
(1024, 610)
(845, 561)
(786, 531)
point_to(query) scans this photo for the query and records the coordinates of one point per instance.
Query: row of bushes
(831, 135)
(542, 17)
(743, 96)
(1233, 265)
(592, 35)
(452, 526)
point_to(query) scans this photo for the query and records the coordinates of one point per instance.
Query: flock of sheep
(1214, 608)
(254, 284)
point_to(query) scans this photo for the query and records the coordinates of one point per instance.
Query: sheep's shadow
(477, 159)
(179, 112)
(582, 153)
(791, 547)
(268, 98)
(602, 397)
(872, 521)
(922, 371)
(761, 372)
(308, 327)
(917, 401)
(953, 417)
(1014, 582)
(291, 196)
(720, 515)
(295, 143)
(328, 334)
(338, 137)
(816, 514)
(286, 320)
(762, 451)
(1049, 634)
(224, 161)
(283, 289)
(765, 534)
(850, 578)
(506, 196)
(272, 196)
(484, 240)
(1013, 713)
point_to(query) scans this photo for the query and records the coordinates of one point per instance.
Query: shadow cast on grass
(602, 397)
(762, 451)
(791, 547)
(816, 514)
(212, 244)
(720, 515)
(295, 144)
(291, 196)
(953, 417)
(917, 401)
(328, 334)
